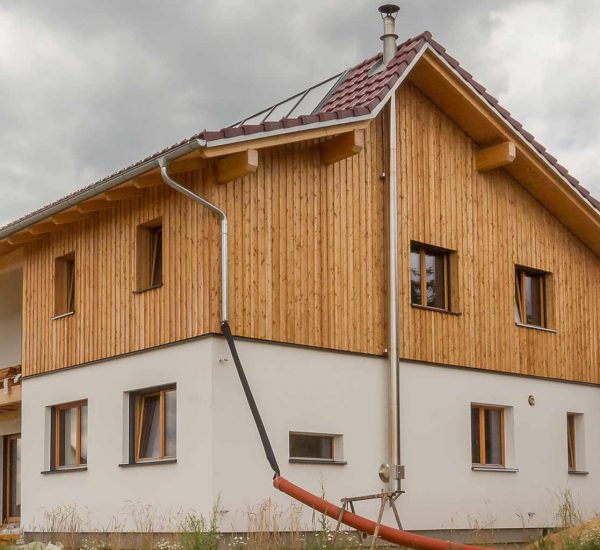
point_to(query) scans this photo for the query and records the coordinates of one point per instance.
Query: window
(429, 277)
(64, 285)
(530, 297)
(571, 439)
(154, 428)
(310, 446)
(487, 435)
(69, 423)
(149, 255)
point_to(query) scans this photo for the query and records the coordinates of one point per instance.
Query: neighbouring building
(119, 389)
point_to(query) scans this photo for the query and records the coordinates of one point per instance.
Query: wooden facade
(308, 260)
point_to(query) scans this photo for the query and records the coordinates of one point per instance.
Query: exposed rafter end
(23, 237)
(121, 193)
(69, 216)
(496, 156)
(342, 146)
(94, 205)
(237, 165)
(6, 247)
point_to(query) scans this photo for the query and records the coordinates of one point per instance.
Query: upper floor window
(149, 252)
(154, 424)
(487, 435)
(530, 297)
(64, 285)
(429, 277)
(69, 425)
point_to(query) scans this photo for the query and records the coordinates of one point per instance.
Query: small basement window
(69, 442)
(430, 277)
(154, 424)
(64, 285)
(531, 297)
(487, 436)
(149, 252)
(314, 447)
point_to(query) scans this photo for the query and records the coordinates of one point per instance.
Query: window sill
(65, 470)
(535, 327)
(439, 310)
(578, 473)
(62, 316)
(149, 462)
(494, 469)
(317, 461)
(143, 290)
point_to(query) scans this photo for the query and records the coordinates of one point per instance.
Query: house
(460, 350)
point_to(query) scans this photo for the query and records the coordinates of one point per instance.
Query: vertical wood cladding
(308, 266)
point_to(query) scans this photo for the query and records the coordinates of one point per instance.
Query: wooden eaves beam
(496, 156)
(69, 216)
(6, 247)
(342, 147)
(23, 237)
(94, 205)
(237, 165)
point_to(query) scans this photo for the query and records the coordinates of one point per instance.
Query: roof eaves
(526, 138)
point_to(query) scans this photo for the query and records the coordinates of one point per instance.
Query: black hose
(255, 412)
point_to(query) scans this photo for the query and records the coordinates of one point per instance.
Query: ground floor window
(154, 424)
(315, 447)
(487, 435)
(69, 425)
(12, 478)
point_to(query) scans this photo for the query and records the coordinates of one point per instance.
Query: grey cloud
(89, 87)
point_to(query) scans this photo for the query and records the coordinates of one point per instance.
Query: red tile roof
(358, 93)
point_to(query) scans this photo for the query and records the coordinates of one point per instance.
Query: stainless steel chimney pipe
(389, 37)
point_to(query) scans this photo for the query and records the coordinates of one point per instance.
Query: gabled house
(413, 282)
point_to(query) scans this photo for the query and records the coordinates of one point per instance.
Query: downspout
(393, 472)
(262, 432)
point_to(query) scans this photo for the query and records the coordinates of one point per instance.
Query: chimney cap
(389, 9)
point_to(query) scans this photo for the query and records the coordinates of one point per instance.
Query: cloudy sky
(89, 87)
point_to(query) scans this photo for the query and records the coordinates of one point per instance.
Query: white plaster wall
(220, 455)
(106, 491)
(11, 300)
(441, 489)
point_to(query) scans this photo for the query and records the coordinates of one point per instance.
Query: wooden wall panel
(305, 239)
(308, 261)
(493, 224)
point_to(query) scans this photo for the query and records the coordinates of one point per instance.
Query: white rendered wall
(11, 300)
(220, 454)
(106, 491)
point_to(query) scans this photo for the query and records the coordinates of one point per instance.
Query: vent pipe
(388, 14)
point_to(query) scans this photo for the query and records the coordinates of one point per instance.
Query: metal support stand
(386, 497)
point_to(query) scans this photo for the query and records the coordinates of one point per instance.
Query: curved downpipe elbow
(164, 172)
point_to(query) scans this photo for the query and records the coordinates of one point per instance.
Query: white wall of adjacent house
(11, 300)
(219, 455)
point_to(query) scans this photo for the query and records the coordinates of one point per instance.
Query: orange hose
(395, 536)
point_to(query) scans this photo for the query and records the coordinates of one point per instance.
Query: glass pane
(14, 457)
(83, 431)
(170, 423)
(493, 436)
(156, 243)
(518, 299)
(415, 278)
(149, 437)
(434, 266)
(571, 440)
(67, 437)
(475, 440)
(533, 284)
(311, 446)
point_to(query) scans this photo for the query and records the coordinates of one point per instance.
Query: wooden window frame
(65, 285)
(482, 456)
(315, 435)
(422, 249)
(572, 441)
(147, 256)
(521, 294)
(6, 479)
(56, 410)
(138, 398)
